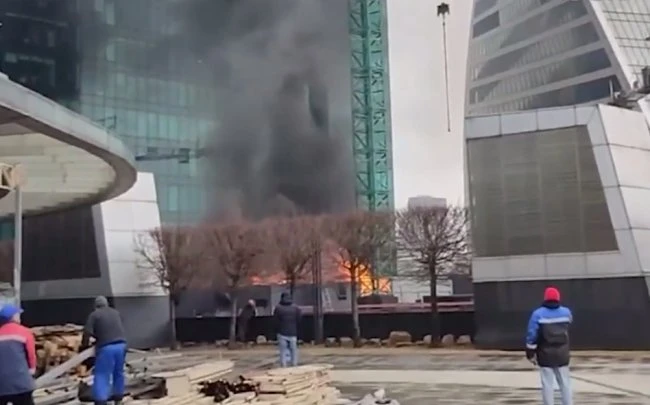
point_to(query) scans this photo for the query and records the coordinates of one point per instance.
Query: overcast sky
(427, 159)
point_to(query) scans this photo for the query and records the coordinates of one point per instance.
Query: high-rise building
(96, 58)
(551, 198)
(531, 54)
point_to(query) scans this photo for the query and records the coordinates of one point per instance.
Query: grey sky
(427, 159)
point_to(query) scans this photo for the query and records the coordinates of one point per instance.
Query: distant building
(426, 201)
(406, 288)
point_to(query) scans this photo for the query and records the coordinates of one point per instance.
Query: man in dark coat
(247, 314)
(286, 318)
(105, 325)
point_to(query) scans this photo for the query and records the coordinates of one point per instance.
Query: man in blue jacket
(547, 346)
(105, 325)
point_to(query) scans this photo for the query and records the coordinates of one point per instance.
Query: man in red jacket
(17, 358)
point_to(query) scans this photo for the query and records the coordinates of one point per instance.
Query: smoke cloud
(275, 67)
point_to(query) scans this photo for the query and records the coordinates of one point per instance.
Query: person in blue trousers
(105, 325)
(547, 346)
(287, 318)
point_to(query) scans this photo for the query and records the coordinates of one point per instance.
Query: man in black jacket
(247, 314)
(287, 317)
(547, 345)
(105, 326)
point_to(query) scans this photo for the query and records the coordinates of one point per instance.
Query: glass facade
(537, 193)
(106, 59)
(630, 24)
(146, 95)
(530, 54)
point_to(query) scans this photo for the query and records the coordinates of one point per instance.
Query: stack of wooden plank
(183, 386)
(56, 344)
(304, 385)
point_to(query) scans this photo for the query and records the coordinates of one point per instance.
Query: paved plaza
(420, 376)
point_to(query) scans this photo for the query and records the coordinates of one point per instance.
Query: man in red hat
(547, 345)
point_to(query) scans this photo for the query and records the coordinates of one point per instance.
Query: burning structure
(278, 92)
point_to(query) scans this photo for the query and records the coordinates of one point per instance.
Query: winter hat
(101, 302)
(8, 311)
(551, 294)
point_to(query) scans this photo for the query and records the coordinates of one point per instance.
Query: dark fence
(373, 325)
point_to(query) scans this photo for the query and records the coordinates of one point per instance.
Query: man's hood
(285, 299)
(101, 302)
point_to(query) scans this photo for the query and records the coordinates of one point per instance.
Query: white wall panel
(553, 118)
(606, 264)
(632, 166)
(584, 114)
(642, 242)
(490, 268)
(125, 219)
(606, 169)
(572, 265)
(514, 123)
(629, 253)
(481, 127)
(616, 208)
(625, 127)
(637, 205)
(527, 267)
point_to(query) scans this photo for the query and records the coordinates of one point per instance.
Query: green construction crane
(371, 129)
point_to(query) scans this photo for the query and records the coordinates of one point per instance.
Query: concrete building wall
(133, 290)
(607, 285)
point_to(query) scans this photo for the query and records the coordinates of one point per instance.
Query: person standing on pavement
(105, 326)
(247, 314)
(17, 358)
(547, 346)
(287, 318)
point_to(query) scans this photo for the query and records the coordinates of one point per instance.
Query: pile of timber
(183, 387)
(56, 344)
(204, 384)
(304, 385)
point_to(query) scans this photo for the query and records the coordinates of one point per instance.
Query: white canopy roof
(67, 159)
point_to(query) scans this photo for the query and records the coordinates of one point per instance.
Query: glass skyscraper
(530, 54)
(100, 58)
(538, 194)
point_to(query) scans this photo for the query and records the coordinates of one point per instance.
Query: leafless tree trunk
(292, 243)
(359, 236)
(354, 297)
(435, 319)
(172, 321)
(173, 256)
(233, 252)
(436, 240)
(232, 333)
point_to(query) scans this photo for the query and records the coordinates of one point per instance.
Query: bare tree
(172, 255)
(293, 243)
(436, 240)
(360, 237)
(232, 250)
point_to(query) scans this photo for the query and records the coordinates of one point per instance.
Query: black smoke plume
(273, 66)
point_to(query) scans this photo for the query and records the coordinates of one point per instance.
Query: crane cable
(443, 10)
